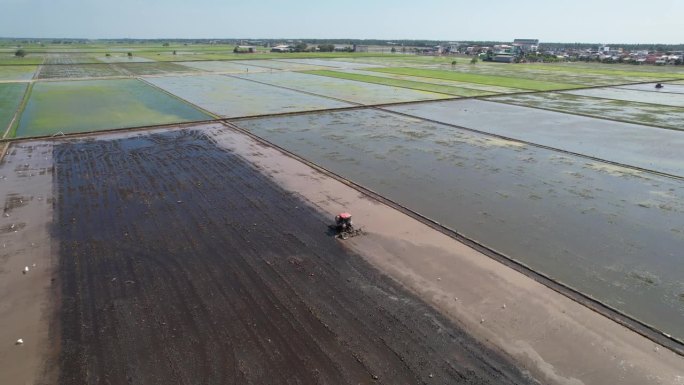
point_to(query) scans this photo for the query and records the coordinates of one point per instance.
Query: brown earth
(26, 300)
(181, 263)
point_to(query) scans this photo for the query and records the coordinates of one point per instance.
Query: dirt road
(181, 264)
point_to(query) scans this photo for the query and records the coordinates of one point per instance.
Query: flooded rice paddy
(282, 65)
(667, 88)
(641, 113)
(79, 71)
(330, 63)
(443, 82)
(660, 98)
(231, 97)
(88, 105)
(645, 147)
(10, 98)
(347, 90)
(15, 73)
(611, 232)
(232, 67)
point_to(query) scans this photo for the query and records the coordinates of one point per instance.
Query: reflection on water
(613, 233)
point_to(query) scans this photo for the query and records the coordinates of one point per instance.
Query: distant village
(518, 51)
(530, 50)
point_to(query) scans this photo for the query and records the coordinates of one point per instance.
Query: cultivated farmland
(91, 105)
(11, 95)
(233, 97)
(194, 242)
(510, 213)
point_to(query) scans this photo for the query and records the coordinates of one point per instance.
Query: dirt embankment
(180, 263)
(27, 298)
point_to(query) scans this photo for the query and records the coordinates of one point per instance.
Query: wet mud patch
(13, 201)
(180, 263)
(12, 228)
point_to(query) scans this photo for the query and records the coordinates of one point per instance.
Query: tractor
(344, 228)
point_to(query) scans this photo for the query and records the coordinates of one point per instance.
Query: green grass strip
(449, 90)
(493, 80)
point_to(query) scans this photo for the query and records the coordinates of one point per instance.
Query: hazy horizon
(596, 21)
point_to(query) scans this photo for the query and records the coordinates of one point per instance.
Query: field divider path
(537, 145)
(641, 328)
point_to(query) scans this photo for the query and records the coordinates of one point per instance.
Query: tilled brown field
(181, 264)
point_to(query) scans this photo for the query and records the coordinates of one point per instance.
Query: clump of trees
(326, 47)
(20, 53)
(129, 54)
(300, 47)
(473, 60)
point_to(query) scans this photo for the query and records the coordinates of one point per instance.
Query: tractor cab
(343, 221)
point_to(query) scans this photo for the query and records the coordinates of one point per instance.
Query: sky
(590, 21)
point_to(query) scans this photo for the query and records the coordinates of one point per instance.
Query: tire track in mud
(181, 263)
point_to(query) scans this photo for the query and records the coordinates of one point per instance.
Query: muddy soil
(180, 263)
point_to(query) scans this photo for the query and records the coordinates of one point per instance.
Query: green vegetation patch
(78, 106)
(17, 72)
(527, 84)
(8, 58)
(457, 91)
(10, 98)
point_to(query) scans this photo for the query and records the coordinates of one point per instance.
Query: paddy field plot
(645, 72)
(347, 90)
(69, 58)
(14, 73)
(231, 97)
(611, 232)
(79, 71)
(495, 80)
(546, 73)
(635, 145)
(411, 84)
(186, 258)
(153, 68)
(449, 83)
(11, 95)
(668, 88)
(663, 99)
(331, 63)
(282, 65)
(89, 105)
(640, 113)
(232, 67)
(120, 57)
